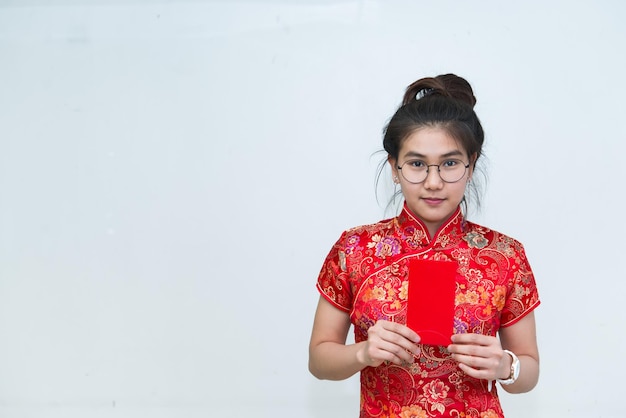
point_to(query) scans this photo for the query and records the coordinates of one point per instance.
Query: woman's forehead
(431, 142)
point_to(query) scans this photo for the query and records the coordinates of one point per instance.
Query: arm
(521, 338)
(482, 356)
(330, 357)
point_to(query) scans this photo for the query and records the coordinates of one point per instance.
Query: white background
(172, 174)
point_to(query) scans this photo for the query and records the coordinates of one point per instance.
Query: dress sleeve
(333, 280)
(522, 296)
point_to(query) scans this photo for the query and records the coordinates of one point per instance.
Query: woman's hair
(444, 102)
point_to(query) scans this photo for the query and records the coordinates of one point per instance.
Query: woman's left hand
(480, 356)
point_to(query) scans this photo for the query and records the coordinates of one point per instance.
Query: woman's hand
(388, 341)
(480, 356)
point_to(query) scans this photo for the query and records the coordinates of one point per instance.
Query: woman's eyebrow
(454, 153)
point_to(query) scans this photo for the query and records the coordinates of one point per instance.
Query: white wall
(173, 173)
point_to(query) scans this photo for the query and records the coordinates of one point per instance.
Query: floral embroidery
(460, 327)
(489, 414)
(404, 290)
(351, 243)
(342, 261)
(470, 297)
(499, 297)
(436, 391)
(413, 236)
(441, 257)
(443, 240)
(413, 411)
(379, 293)
(385, 246)
(474, 275)
(475, 240)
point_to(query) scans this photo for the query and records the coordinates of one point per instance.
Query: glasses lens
(451, 170)
(414, 171)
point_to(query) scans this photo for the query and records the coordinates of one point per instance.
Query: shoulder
(362, 233)
(384, 226)
(482, 236)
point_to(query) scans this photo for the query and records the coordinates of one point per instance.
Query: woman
(433, 142)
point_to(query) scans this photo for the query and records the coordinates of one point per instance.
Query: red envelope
(430, 303)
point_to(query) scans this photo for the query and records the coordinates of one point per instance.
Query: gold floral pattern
(366, 275)
(412, 411)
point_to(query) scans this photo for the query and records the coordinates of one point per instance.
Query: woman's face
(432, 200)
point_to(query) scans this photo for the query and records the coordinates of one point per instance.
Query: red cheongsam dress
(366, 275)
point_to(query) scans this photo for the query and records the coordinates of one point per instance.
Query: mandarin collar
(415, 234)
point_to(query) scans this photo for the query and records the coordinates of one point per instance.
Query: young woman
(433, 142)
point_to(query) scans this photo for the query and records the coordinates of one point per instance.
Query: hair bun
(446, 85)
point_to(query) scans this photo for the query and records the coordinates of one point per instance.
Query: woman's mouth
(432, 200)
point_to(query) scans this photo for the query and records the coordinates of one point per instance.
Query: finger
(478, 358)
(478, 363)
(401, 329)
(476, 373)
(480, 346)
(478, 367)
(474, 339)
(401, 343)
(389, 333)
(394, 352)
(468, 350)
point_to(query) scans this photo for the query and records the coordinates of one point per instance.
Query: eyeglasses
(416, 171)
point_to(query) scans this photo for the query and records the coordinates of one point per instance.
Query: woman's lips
(432, 200)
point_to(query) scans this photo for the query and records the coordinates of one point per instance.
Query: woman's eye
(449, 163)
(417, 164)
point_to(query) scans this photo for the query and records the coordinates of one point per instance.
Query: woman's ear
(394, 169)
(472, 165)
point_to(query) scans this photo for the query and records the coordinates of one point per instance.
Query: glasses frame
(438, 170)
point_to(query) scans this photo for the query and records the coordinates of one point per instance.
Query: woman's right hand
(388, 341)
